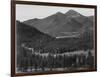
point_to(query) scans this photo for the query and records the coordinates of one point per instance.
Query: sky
(25, 12)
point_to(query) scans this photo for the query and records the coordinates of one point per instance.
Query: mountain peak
(59, 13)
(72, 13)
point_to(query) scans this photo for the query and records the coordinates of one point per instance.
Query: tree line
(28, 61)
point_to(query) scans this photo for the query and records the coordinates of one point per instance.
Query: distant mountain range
(59, 24)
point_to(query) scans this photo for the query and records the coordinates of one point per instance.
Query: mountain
(60, 24)
(30, 36)
(72, 13)
(70, 30)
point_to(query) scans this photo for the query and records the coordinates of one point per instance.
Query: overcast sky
(25, 12)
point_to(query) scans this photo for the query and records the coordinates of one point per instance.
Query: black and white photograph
(54, 38)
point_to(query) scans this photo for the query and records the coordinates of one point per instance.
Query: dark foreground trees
(32, 62)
